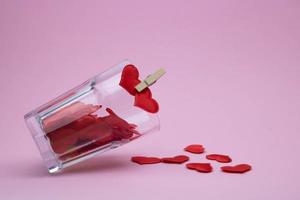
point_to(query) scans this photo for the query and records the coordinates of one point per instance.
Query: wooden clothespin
(151, 79)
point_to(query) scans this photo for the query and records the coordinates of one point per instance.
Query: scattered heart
(142, 160)
(219, 157)
(176, 159)
(200, 167)
(195, 148)
(241, 168)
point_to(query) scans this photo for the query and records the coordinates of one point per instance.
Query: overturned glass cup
(103, 113)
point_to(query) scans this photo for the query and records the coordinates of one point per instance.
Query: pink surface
(232, 84)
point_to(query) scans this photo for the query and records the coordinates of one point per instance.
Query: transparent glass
(92, 118)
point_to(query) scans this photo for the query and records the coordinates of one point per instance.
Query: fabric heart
(145, 160)
(241, 168)
(200, 167)
(129, 79)
(219, 157)
(145, 101)
(195, 148)
(176, 159)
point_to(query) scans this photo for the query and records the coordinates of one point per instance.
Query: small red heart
(129, 79)
(219, 157)
(195, 148)
(145, 160)
(145, 101)
(241, 168)
(200, 167)
(176, 159)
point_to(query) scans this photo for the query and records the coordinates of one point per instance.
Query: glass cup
(94, 117)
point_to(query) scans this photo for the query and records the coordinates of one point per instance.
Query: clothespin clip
(150, 80)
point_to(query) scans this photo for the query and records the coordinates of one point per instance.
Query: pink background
(232, 84)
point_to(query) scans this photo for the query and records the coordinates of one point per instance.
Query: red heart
(241, 168)
(195, 148)
(176, 159)
(219, 157)
(145, 160)
(129, 79)
(200, 167)
(145, 101)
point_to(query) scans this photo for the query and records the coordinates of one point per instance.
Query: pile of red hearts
(199, 167)
(71, 136)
